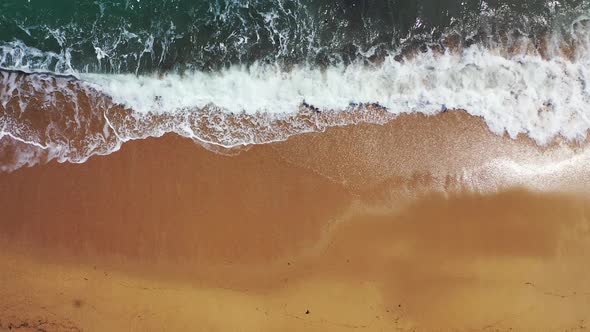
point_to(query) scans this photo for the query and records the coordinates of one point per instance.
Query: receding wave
(46, 117)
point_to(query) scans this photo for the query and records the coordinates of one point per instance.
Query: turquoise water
(141, 36)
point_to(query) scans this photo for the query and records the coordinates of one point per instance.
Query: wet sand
(323, 232)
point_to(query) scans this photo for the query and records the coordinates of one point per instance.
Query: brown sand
(165, 235)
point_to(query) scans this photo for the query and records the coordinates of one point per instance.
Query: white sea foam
(17, 55)
(523, 93)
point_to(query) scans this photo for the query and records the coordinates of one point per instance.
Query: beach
(166, 235)
(295, 165)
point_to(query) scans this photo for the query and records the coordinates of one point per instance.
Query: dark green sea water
(140, 36)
